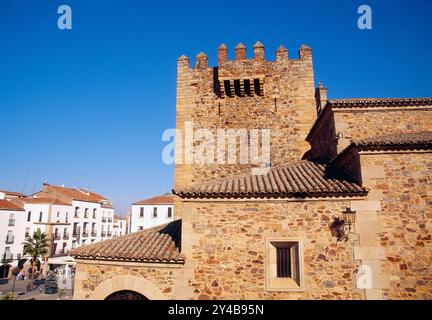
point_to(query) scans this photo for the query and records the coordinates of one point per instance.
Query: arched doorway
(126, 295)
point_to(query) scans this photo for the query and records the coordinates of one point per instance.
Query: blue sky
(87, 106)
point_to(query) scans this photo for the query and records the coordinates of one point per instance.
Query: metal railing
(104, 219)
(7, 257)
(9, 239)
(85, 233)
(66, 236)
(56, 236)
(11, 222)
(93, 233)
(109, 233)
(103, 234)
(109, 219)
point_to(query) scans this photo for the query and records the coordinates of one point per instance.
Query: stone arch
(130, 283)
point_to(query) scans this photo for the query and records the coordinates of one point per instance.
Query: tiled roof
(164, 199)
(156, 245)
(12, 193)
(7, 205)
(44, 201)
(303, 179)
(396, 141)
(379, 102)
(79, 195)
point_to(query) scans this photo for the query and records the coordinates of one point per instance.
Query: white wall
(17, 230)
(137, 222)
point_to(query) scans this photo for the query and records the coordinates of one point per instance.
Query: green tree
(36, 246)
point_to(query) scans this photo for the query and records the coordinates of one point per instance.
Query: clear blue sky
(88, 106)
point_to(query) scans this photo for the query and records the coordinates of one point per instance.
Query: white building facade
(12, 225)
(69, 217)
(119, 226)
(151, 212)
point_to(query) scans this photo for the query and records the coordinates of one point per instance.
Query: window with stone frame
(284, 264)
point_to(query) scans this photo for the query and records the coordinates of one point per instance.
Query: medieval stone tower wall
(245, 94)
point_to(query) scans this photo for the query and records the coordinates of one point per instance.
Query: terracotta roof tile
(379, 102)
(302, 179)
(156, 245)
(12, 193)
(7, 205)
(164, 199)
(396, 141)
(44, 201)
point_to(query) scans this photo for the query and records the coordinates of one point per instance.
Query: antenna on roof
(26, 180)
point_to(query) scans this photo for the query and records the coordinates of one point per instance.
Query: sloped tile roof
(7, 205)
(390, 142)
(379, 102)
(156, 245)
(44, 201)
(303, 179)
(12, 193)
(164, 199)
(398, 139)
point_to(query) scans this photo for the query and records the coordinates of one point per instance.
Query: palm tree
(36, 246)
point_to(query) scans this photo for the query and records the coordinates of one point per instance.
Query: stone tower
(244, 93)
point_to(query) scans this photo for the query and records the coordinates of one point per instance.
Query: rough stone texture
(405, 221)
(287, 107)
(227, 246)
(366, 123)
(90, 276)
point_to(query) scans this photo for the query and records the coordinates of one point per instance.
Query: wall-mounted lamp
(341, 227)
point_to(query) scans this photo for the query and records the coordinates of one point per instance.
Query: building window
(76, 212)
(284, 265)
(141, 228)
(29, 216)
(141, 212)
(155, 212)
(169, 213)
(86, 213)
(40, 216)
(94, 213)
(27, 232)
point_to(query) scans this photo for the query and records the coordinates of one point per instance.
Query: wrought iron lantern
(341, 227)
(348, 217)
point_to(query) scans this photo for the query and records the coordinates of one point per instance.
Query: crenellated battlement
(240, 56)
(248, 93)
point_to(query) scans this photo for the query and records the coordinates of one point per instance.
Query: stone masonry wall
(363, 124)
(372, 123)
(89, 276)
(225, 247)
(287, 107)
(404, 183)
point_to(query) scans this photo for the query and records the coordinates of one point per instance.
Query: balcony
(85, 234)
(75, 234)
(104, 219)
(110, 220)
(11, 222)
(57, 237)
(103, 234)
(109, 234)
(94, 233)
(6, 258)
(66, 236)
(9, 239)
